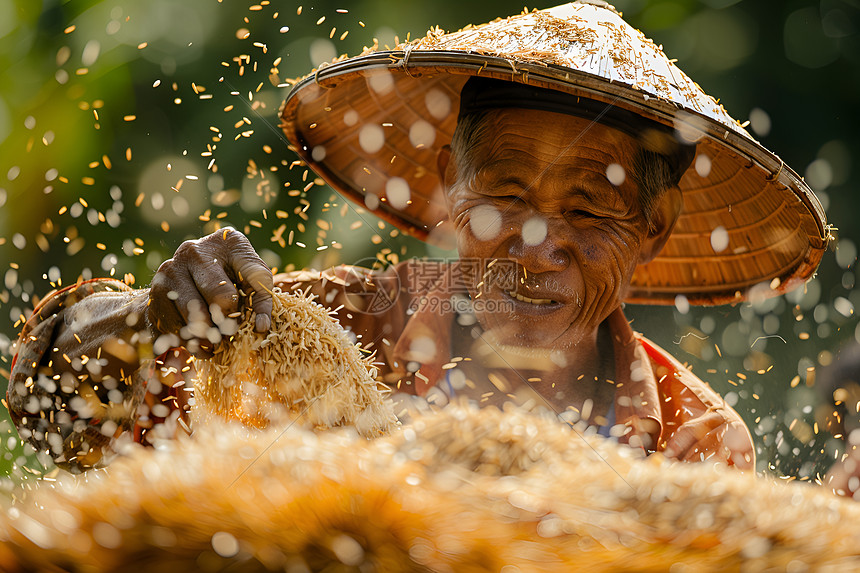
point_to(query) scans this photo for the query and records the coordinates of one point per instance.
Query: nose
(539, 245)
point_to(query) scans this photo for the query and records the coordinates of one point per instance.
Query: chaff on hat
(372, 125)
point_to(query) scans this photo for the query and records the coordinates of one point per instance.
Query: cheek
(482, 229)
(471, 246)
(591, 253)
(609, 252)
(465, 243)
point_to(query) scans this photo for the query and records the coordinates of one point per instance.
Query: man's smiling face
(553, 193)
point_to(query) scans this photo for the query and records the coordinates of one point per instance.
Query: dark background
(105, 107)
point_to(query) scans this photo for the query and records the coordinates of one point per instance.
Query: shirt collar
(637, 403)
(426, 338)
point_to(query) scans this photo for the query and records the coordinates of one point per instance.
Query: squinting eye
(580, 214)
(508, 199)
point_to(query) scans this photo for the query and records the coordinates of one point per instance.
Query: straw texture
(460, 490)
(372, 125)
(305, 368)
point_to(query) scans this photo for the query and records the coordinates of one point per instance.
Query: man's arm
(71, 387)
(712, 437)
(698, 425)
(84, 371)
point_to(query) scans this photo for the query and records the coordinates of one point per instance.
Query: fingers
(216, 288)
(178, 308)
(162, 311)
(220, 298)
(253, 276)
(196, 293)
(256, 280)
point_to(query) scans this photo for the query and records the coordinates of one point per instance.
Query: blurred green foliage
(127, 127)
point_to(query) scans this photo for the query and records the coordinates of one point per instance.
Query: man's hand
(844, 476)
(195, 297)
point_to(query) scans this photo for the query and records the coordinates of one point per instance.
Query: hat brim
(747, 218)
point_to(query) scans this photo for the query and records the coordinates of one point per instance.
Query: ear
(665, 216)
(443, 159)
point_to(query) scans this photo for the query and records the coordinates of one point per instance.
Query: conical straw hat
(371, 126)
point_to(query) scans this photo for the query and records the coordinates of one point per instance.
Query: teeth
(522, 298)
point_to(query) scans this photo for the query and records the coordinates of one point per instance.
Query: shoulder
(674, 376)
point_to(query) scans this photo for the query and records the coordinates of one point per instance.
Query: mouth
(535, 301)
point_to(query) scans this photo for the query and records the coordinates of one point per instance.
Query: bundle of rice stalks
(458, 490)
(306, 366)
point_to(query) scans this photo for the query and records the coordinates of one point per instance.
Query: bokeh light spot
(760, 122)
(422, 349)
(485, 222)
(615, 174)
(350, 117)
(225, 544)
(371, 201)
(422, 134)
(438, 103)
(719, 239)
(398, 193)
(682, 305)
(846, 253)
(819, 175)
(322, 50)
(381, 83)
(371, 138)
(534, 231)
(90, 53)
(703, 165)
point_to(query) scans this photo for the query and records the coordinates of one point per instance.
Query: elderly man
(560, 184)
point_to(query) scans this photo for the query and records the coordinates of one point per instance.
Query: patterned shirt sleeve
(81, 373)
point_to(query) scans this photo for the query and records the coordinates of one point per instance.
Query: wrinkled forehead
(553, 157)
(550, 139)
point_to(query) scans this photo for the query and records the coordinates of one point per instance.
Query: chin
(528, 340)
(528, 330)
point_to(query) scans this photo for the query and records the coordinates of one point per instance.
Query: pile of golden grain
(305, 368)
(460, 489)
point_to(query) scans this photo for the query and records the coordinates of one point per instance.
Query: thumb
(255, 279)
(253, 276)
